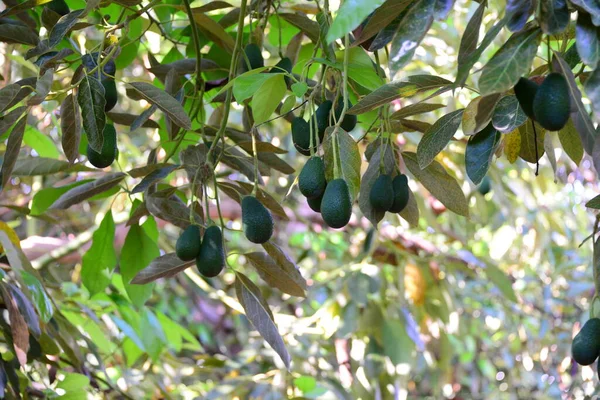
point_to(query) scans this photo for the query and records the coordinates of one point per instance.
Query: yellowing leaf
(512, 145)
(12, 235)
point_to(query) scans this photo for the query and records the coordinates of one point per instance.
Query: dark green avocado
(257, 221)
(381, 195)
(586, 344)
(110, 94)
(525, 90)
(254, 56)
(301, 136)
(551, 104)
(211, 260)
(59, 7)
(109, 149)
(188, 244)
(311, 180)
(336, 206)
(401, 193)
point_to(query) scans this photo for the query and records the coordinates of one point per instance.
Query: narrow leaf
(165, 266)
(349, 16)
(90, 97)
(70, 124)
(154, 177)
(84, 192)
(276, 276)
(348, 156)
(437, 137)
(7, 94)
(587, 37)
(13, 146)
(165, 102)
(468, 42)
(479, 153)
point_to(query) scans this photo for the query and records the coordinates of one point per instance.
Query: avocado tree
(219, 185)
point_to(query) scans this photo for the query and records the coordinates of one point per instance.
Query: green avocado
(525, 91)
(485, 186)
(255, 58)
(284, 65)
(59, 7)
(311, 180)
(110, 94)
(586, 344)
(188, 244)
(109, 149)
(90, 61)
(551, 104)
(349, 121)
(381, 195)
(211, 260)
(322, 117)
(336, 206)
(301, 136)
(401, 193)
(257, 221)
(315, 202)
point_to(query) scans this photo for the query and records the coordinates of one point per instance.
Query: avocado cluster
(548, 104)
(389, 194)
(586, 344)
(208, 250)
(90, 61)
(109, 152)
(320, 120)
(257, 221)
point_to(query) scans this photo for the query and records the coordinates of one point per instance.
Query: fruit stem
(218, 203)
(253, 133)
(537, 159)
(344, 80)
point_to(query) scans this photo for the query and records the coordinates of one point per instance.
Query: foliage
(473, 286)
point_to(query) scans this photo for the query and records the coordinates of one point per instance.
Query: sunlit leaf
(84, 192)
(349, 16)
(437, 137)
(508, 115)
(100, 259)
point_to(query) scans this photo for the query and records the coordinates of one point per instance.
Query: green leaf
(511, 62)
(64, 25)
(437, 137)
(398, 89)
(508, 115)
(258, 312)
(165, 266)
(100, 259)
(80, 193)
(529, 148)
(587, 40)
(172, 331)
(579, 115)
(592, 89)
(441, 184)
(369, 177)
(571, 142)
(305, 24)
(413, 28)
(499, 278)
(478, 113)
(268, 97)
(479, 153)
(553, 16)
(415, 109)
(214, 31)
(348, 158)
(70, 125)
(7, 94)
(288, 105)
(90, 97)
(73, 382)
(10, 33)
(41, 143)
(165, 205)
(165, 102)
(13, 146)
(244, 86)
(138, 252)
(42, 88)
(381, 18)
(288, 281)
(40, 298)
(397, 344)
(349, 16)
(469, 39)
(361, 68)
(31, 166)
(154, 177)
(299, 89)
(8, 119)
(154, 337)
(44, 198)
(594, 203)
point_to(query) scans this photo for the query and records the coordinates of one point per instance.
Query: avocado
(336, 206)
(485, 186)
(315, 202)
(401, 193)
(109, 149)
(322, 117)
(59, 7)
(255, 58)
(349, 121)
(551, 104)
(284, 65)
(90, 61)
(586, 344)
(188, 244)
(257, 221)
(525, 90)
(311, 180)
(381, 195)
(110, 94)
(301, 136)
(211, 260)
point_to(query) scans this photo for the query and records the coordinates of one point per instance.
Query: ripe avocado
(311, 180)
(336, 206)
(349, 121)
(586, 344)
(188, 244)
(254, 56)
(256, 220)
(485, 186)
(551, 104)
(315, 202)
(59, 7)
(110, 94)
(301, 136)
(322, 117)
(381, 196)
(401, 193)
(525, 91)
(211, 260)
(109, 149)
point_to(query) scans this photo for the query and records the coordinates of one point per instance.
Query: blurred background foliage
(479, 307)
